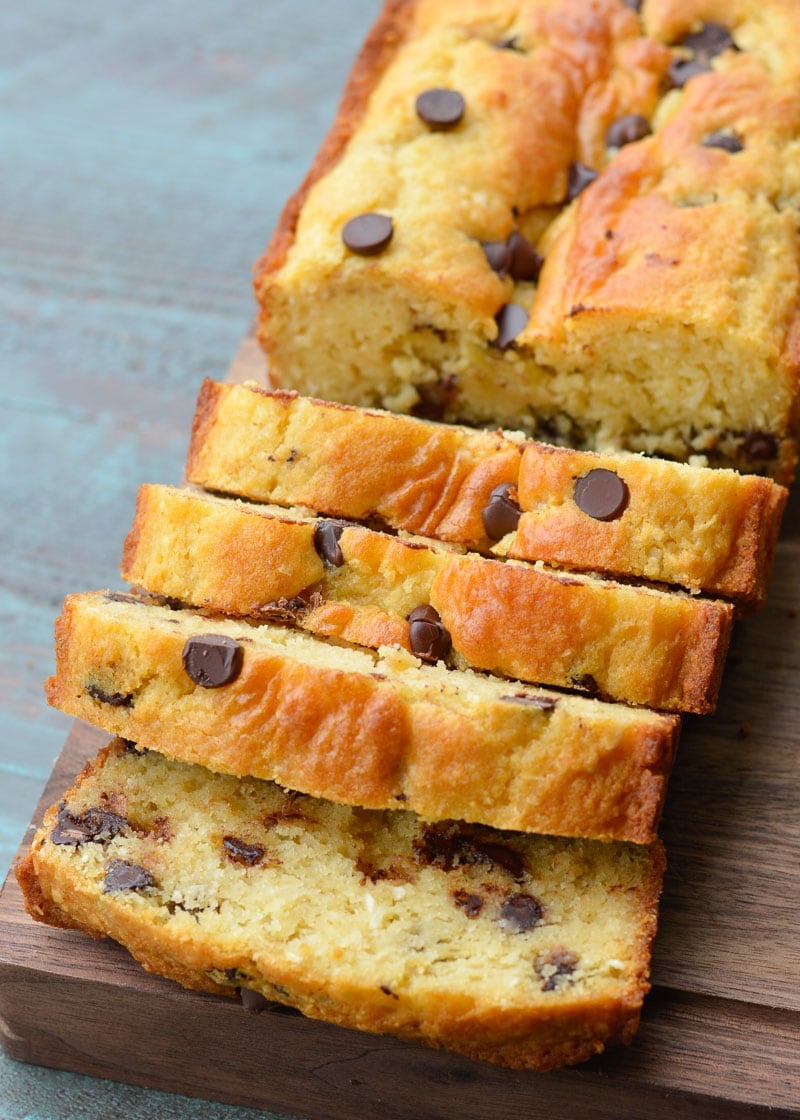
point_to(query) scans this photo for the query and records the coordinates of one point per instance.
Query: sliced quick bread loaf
(377, 730)
(526, 951)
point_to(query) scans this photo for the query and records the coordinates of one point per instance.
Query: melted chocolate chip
(555, 967)
(682, 70)
(326, 542)
(122, 875)
(760, 446)
(601, 494)
(212, 660)
(287, 612)
(627, 130)
(725, 139)
(93, 826)
(501, 513)
(579, 177)
(511, 319)
(586, 683)
(471, 904)
(253, 1002)
(449, 844)
(526, 263)
(238, 851)
(429, 639)
(712, 39)
(509, 44)
(521, 912)
(435, 397)
(440, 109)
(122, 597)
(498, 254)
(368, 234)
(113, 699)
(543, 703)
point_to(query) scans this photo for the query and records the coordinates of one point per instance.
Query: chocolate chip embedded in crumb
(601, 494)
(212, 660)
(326, 542)
(113, 699)
(555, 968)
(238, 851)
(723, 138)
(543, 703)
(586, 683)
(502, 512)
(498, 254)
(368, 234)
(471, 904)
(122, 875)
(440, 109)
(253, 1002)
(526, 263)
(579, 177)
(94, 826)
(712, 39)
(428, 637)
(682, 70)
(627, 130)
(760, 446)
(511, 43)
(511, 319)
(521, 912)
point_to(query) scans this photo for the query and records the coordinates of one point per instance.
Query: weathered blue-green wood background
(145, 153)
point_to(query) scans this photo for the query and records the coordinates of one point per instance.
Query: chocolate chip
(287, 612)
(435, 397)
(387, 991)
(212, 660)
(601, 494)
(543, 703)
(368, 234)
(501, 513)
(760, 445)
(503, 856)
(122, 875)
(627, 130)
(471, 904)
(240, 852)
(429, 639)
(509, 44)
(526, 263)
(712, 39)
(113, 699)
(681, 70)
(440, 109)
(725, 139)
(579, 177)
(121, 597)
(521, 912)
(450, 844)
(511, 320)
(253, 1002)
(95, 825)
(498, 254)
(554, 967)
(634, 5)
(586, 683)
(326, 542)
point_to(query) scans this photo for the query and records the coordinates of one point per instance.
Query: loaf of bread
(661, 649)
(527, 951)
(363, 728)
(702, 529)
(572, 218)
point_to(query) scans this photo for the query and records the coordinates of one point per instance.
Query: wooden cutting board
(720, 1034)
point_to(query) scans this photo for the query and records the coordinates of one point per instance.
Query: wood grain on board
(720, 1034)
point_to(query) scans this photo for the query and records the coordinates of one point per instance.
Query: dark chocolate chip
(498, 254)
(521, 912)
(93, 825)
(501, 513)
(579, 177)
(586, 683)
(712, 39)
(450, 844)
(634, 5)
(429, 639)
(509, 44)
(121, 597)
(368, 234)
(526, 263)
(240, 852)
(503, 856)
(212, 660)
(287, 612)
(627, 130)
(555, 967)
(725, 139)
(122, 875)
(511, 320)
(760, 445)
(326, 542)
(253, 1002)
(440, 109)
(682, 70)
(601, 494)
(471, 904)
(435, 397)
(543, 703)
(113, 699)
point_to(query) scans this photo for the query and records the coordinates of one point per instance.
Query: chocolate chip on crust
(627, 130)
(326, 542)
(601, 494)
(212, 660)
(723, 138)
(502, 512)
(429, 638)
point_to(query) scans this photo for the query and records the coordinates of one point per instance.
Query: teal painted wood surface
(145, 153)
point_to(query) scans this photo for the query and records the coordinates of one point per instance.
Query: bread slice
(648, 161)
(531, 952)
(376, 730)
(702, 529)
(664, 650)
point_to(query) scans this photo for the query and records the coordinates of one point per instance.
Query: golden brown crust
(533, 1025)
(340, 724)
